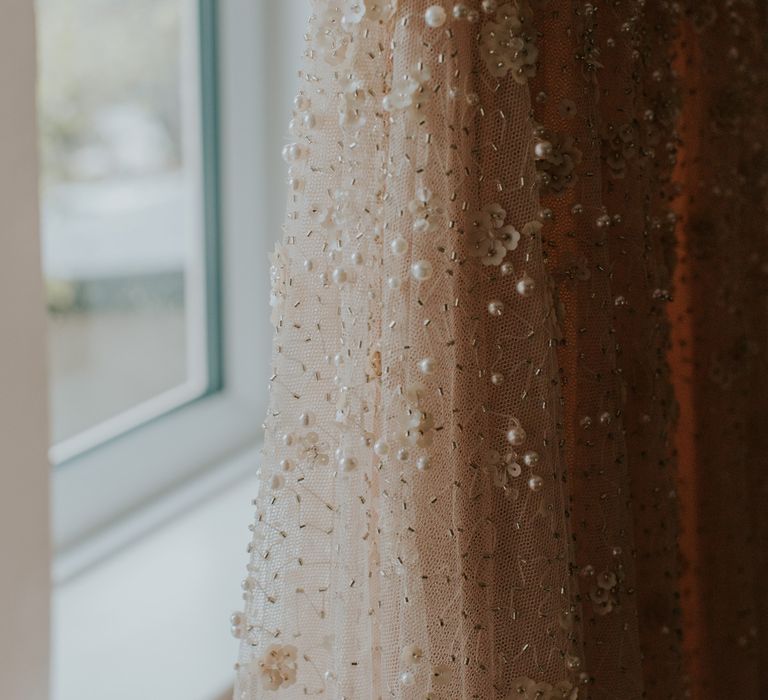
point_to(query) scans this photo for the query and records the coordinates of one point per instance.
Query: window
(159, 205)
(128, 253)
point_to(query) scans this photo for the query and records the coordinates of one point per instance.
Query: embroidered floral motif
(277, 667)
(312, 450)
(574, 267)
(355, 11)
(508, 42)
(351, 103)
(489, 237)
(604, 594)
(330, 39)
(505, 468)
(416, 426)
(556, 159)
(620, 147)
(426, 209)
(409, 93)
(532, 229)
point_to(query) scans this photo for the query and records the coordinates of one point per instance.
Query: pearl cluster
(508, 41)
(277, 667)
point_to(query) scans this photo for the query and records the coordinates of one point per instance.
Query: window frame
(202, 277)
(108, 484)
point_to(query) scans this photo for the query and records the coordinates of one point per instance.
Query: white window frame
(104, 486)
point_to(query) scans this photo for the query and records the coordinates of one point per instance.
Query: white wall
(24, 578)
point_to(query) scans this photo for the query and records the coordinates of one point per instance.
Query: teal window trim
(209, 98)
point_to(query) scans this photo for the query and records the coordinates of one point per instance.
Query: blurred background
(120, 217)
(160, 126)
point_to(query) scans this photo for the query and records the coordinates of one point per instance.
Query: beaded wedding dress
(516, 444)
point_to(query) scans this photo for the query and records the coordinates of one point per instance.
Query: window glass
(123, 240)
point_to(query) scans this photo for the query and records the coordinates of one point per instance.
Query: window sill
(151, 620)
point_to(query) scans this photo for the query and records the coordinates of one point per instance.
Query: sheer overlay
(515, 446)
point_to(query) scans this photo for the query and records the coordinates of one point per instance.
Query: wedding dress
(516, 443)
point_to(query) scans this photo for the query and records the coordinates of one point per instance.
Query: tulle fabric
(515, 444)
